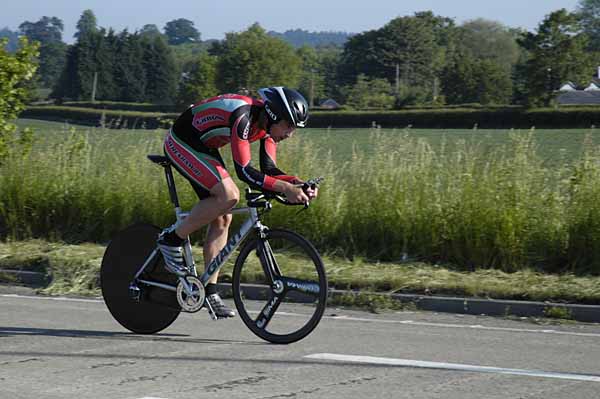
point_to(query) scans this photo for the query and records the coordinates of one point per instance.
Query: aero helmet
(283, 103)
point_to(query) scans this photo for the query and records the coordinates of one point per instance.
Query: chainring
(194, 302)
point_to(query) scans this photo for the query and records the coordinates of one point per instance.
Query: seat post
(171, 184)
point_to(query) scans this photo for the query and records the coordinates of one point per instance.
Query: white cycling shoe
(173, 256)
(217, 305)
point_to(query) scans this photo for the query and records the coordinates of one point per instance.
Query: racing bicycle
(278, 281)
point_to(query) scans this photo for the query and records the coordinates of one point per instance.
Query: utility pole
(312, 88)
(397, 79)
(94, 87)
(549, 85)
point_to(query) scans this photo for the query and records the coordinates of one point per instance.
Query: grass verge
(74, 269)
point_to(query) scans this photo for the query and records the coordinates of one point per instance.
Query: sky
(214, 18)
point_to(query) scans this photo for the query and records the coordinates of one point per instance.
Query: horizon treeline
(417, 60)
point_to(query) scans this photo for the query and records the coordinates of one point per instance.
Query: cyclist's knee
(226, 193)
(222, 222)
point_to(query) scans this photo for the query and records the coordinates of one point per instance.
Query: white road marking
(445, 325)
(51, 298)
(450, 366)
(151, 397)
(466, 326)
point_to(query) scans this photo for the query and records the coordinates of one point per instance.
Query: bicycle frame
(252, 222)
(215, 264)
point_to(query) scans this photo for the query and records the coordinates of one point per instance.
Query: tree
(180, 31)
(252, 59)
(311, 81)
(361, 55)
(299, 38)
(494, 85)
(557, 53)
(197, 80)
(105, 44)
(128, 73)
(48, 32)
(127, 67)
(407, 51)
(12, 39)
(15, 70)
(467, 79)
(329, 59)
(370, 93)
(589, 11)
(459, 83)
(490, 40)
(82, 63)
(160, 71)
(149, 30)
(68, 85)
(45, 30)
(87, 24)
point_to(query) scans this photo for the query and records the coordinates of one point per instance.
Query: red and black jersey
(231, 118)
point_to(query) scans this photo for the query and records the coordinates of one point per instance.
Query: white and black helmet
(283, 103)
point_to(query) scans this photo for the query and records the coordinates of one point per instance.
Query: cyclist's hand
(312, 192)
(295, 194)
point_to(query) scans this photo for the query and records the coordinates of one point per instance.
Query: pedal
(211, 312)
(134, 292)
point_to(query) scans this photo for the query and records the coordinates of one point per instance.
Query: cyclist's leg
(216, 238)
(222, 197)
(205, 170)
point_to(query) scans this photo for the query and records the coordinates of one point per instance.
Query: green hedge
(95, 117)
(449, 118)
(123, 106)
(461, 118)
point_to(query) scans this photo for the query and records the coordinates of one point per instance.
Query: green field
(473, 198)
(554, 145)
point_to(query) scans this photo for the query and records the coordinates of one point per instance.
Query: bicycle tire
(240, 290)
(125, 254)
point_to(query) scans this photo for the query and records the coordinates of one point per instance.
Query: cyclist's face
(282, 130)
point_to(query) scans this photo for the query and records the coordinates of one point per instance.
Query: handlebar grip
(261, 204)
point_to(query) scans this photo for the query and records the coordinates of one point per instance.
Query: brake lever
(312, 183)
(305, 207)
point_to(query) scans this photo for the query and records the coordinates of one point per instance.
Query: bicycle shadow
(115, 335)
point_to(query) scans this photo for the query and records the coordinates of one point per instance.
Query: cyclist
(192, 146)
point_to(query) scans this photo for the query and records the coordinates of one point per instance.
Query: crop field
(554, 146)
(475, 198)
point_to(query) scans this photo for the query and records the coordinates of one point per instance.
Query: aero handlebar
(261, 199)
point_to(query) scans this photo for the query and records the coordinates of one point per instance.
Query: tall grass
(467, 203)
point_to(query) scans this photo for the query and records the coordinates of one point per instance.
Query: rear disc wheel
(156, 308)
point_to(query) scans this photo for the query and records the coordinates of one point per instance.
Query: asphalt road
(53, 348)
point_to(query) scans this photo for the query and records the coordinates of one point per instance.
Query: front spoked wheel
(280, 286)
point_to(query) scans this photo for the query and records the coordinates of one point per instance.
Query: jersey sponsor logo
(271, 114)
(182, 158)
(246, 131)
(209, 118)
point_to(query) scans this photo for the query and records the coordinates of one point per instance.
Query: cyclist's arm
(285, 183)
(268, 159)
(242, 156)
